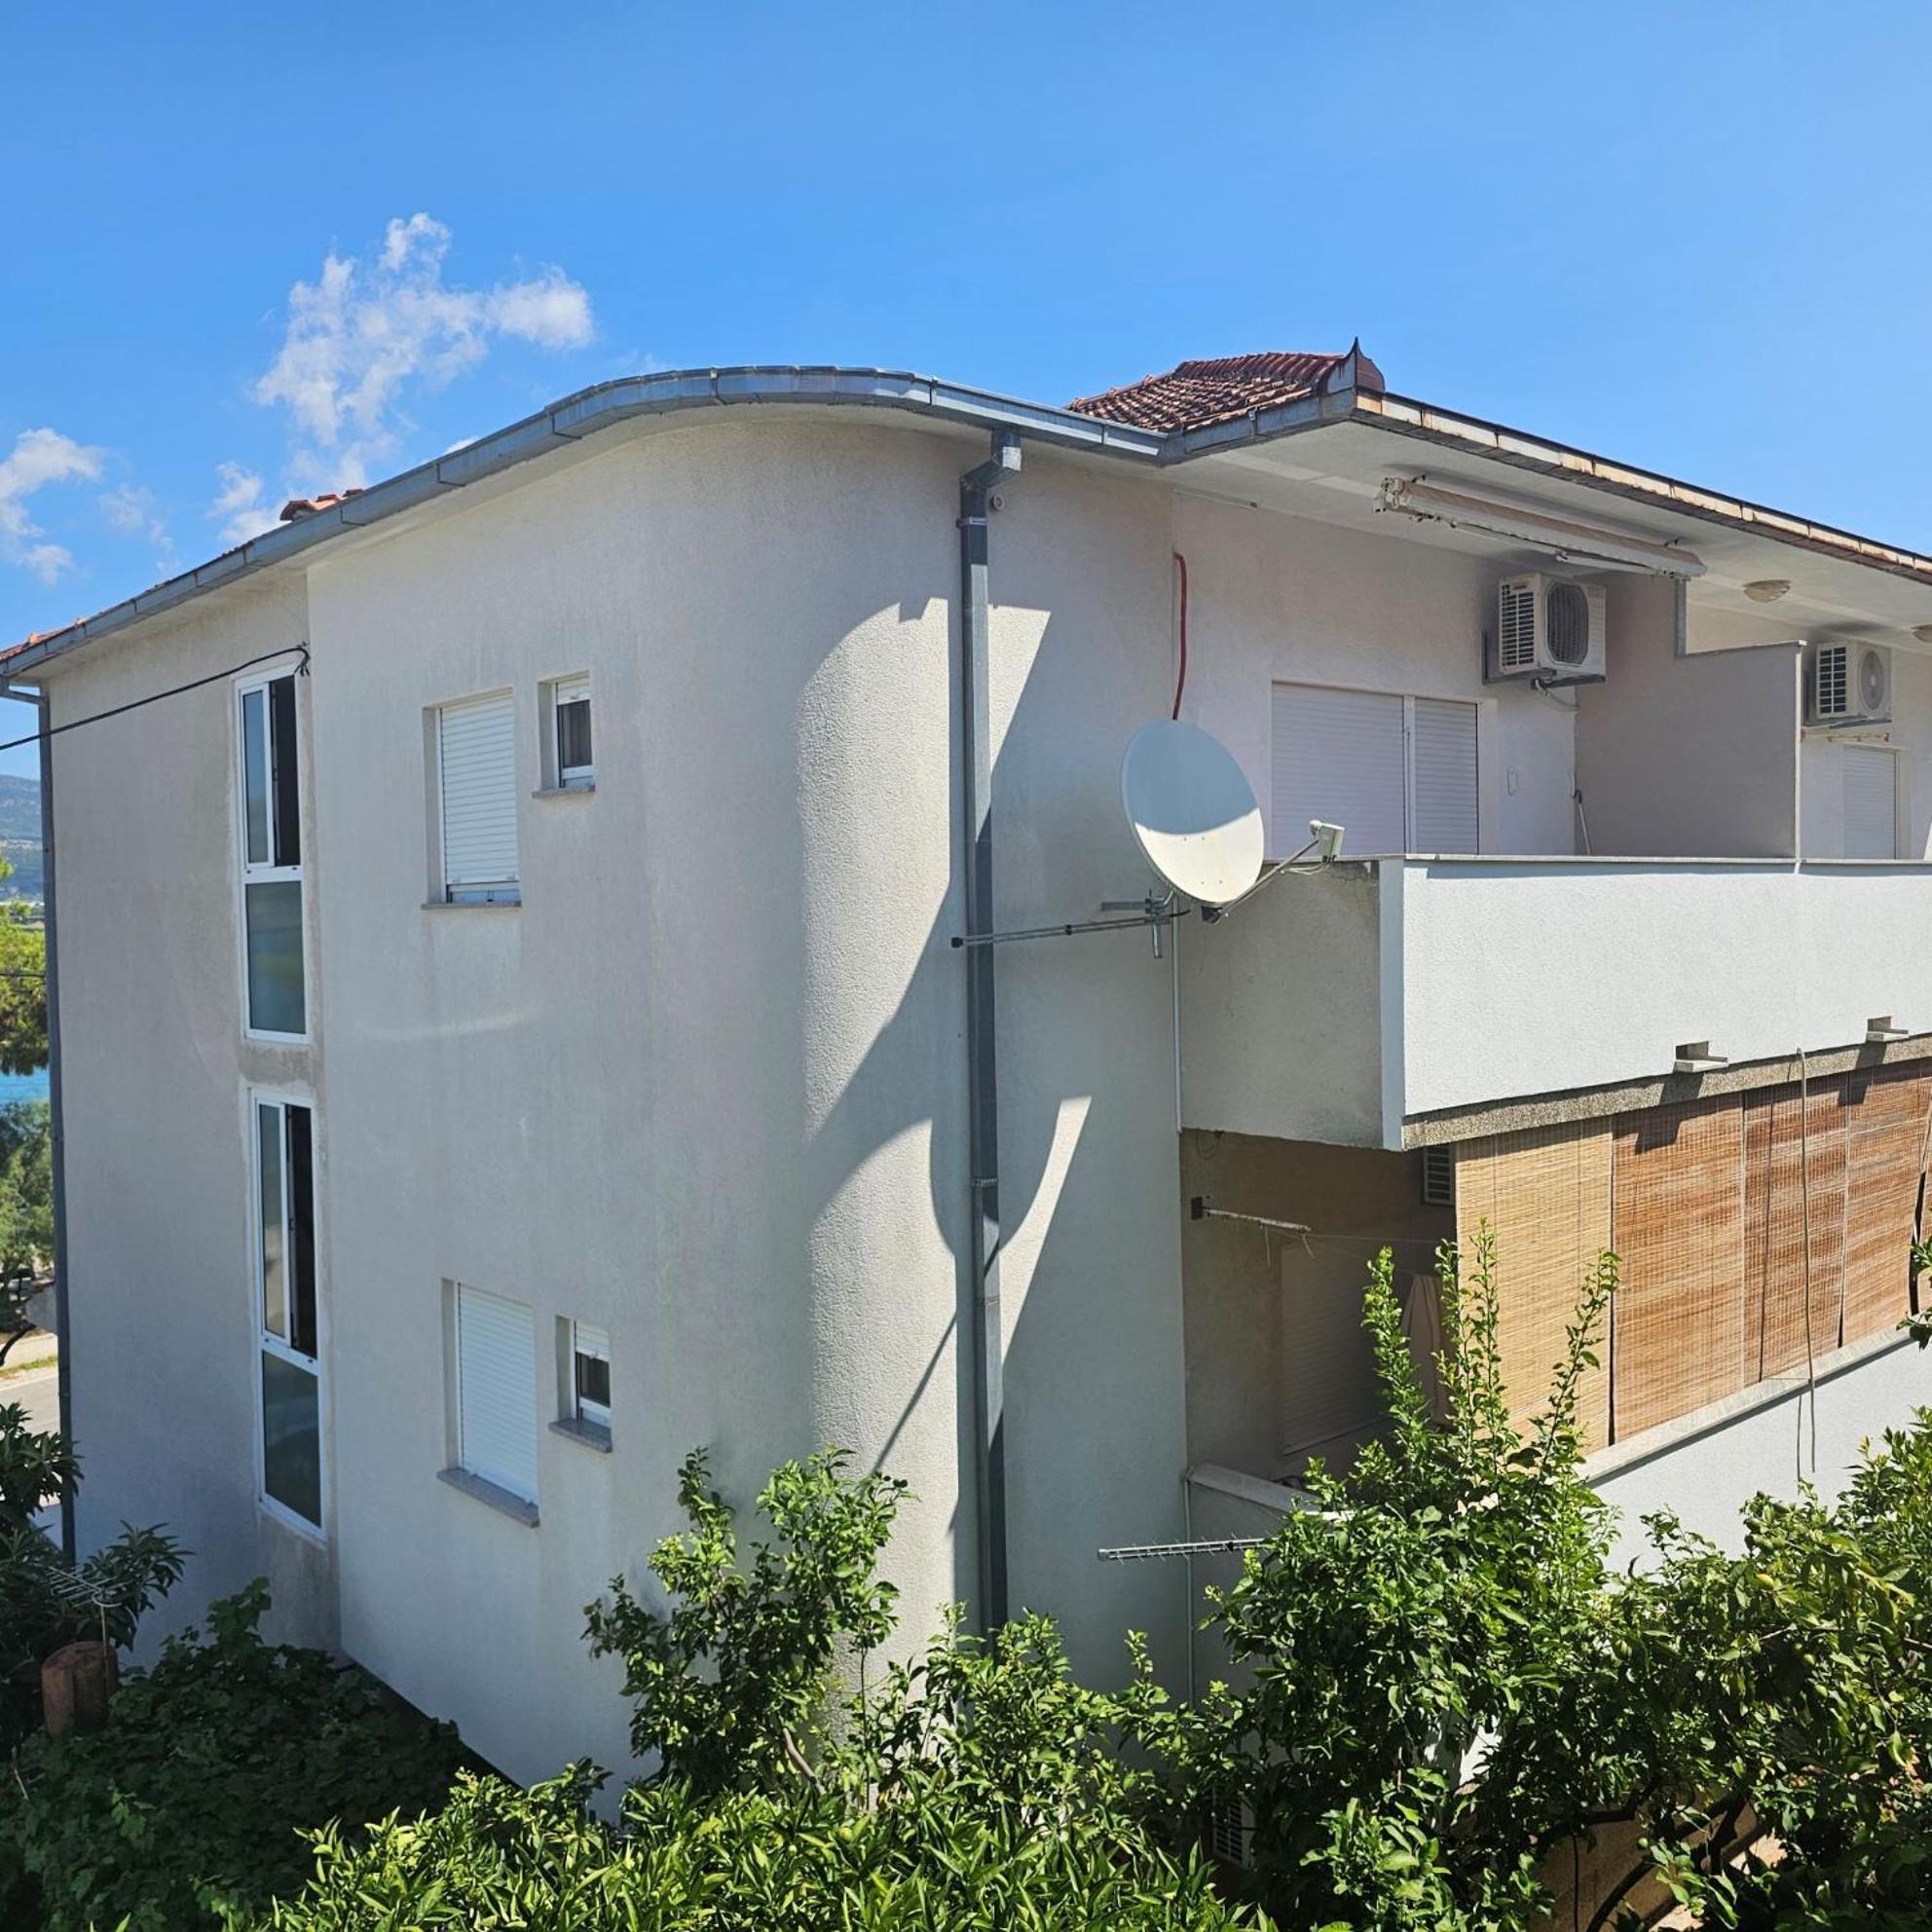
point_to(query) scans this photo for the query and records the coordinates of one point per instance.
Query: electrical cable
(173, 691)
(1180, 681)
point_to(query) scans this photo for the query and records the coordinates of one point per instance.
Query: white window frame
(1901, 798)
(266, 1341)
(476, 1481)
(505, 892)
(594, 1345)
(1487, 810)
(557, 693)
(267, 872)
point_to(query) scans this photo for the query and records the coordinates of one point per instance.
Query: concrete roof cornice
(608, 404)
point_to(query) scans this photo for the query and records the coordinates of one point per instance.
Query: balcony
(1370, 1004)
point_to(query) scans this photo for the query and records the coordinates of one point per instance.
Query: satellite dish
(1192, 810)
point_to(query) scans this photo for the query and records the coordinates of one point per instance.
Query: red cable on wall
(1180, 681)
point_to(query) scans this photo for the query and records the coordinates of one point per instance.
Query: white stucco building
(510, 1029)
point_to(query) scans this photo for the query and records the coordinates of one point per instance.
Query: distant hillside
(20, 809)
(19, 836)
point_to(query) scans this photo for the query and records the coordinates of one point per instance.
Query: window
(284, 1161)
(271, 791)
(476, 799)
(1871, 802)
(1399, 774)
(590, 1375)
(495, 1392)
(570, 711)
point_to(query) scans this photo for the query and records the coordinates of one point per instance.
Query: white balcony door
(1399, 774)
(1871, 802)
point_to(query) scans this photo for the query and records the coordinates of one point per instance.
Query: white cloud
(238, 506)
(39, 459)
(367, 332)
(129, 508)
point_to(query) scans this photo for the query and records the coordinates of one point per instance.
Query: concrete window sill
(591, 1434)
(496, 1497)
(566, 790)
(473, 905)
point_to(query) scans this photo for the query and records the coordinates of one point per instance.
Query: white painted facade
(704, 1086)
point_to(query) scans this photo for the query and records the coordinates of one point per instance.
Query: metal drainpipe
(57, 1148)
(980, 1314)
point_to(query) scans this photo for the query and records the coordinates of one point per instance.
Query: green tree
(26, 1214)
(23, 985)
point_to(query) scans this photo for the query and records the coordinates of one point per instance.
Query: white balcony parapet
(1343, 1007)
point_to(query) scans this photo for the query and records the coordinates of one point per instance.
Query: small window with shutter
(495, 1392)
(476, 799)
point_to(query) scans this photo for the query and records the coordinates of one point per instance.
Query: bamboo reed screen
(1545, 1194)
(1677, 1222)
(1885, 1116)
(1782, 1164)
(1705, 1203)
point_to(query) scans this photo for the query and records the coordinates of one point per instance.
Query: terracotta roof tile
(308, 505)
(1221, 388)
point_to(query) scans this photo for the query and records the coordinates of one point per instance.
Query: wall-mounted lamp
(1696, 1057)
(1768, 589)
(1922, 632)
(1884, 1027)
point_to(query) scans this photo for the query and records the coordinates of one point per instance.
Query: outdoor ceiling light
(1768, 589)
(1922, 632)
(1572, 542)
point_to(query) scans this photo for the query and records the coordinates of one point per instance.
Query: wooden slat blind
(1677, 1222)
(1884, 1131)
(1777, 1158)
(1546, 1195)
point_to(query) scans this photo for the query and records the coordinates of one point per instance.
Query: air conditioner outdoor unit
(1850, 684)
(1550, 627)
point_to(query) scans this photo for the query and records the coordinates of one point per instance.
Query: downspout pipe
(980, 1315)
(57, 1155)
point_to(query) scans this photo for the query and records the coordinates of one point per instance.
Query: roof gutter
(583, 415)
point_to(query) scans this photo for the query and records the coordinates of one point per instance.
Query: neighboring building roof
(1223, 389)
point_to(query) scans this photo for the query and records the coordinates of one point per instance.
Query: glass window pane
(274, 957)
(275, 1275)
(301, 1230)
(292, 1437)
(255, 777)
(593, 1381)
(284, 773)
(574, 735)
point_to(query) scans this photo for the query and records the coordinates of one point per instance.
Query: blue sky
(1693, 237)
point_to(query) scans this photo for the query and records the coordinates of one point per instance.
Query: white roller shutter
(476, 747)
(1337, 756)
(1871, 802)
(495, 1360)
(1442, 763)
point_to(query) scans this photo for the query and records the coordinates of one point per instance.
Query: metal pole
(981, 1319)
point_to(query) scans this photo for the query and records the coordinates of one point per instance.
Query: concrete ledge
(593, 1435)
(1669, 1436)
(564, 791)
(515, 1507)
(1281, 1496)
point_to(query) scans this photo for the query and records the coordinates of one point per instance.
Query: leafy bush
(496, 1856)
(187, 1809)
(44, 1602)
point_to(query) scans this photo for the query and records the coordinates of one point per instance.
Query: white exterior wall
(1277, 598)
(161, 1301)
(705, 1087)
(1690, 756)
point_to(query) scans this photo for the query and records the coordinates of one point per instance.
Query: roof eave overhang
(1468, 435)
(570, 422)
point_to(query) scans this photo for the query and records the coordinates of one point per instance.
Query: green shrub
(186, 1811)
(741, 1862)
(44, 1602)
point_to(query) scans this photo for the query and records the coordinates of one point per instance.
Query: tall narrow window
(496, 1390)
(272, 858)
(285, 1308)
(476, 796)
(571, 697)
(590, 1374)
